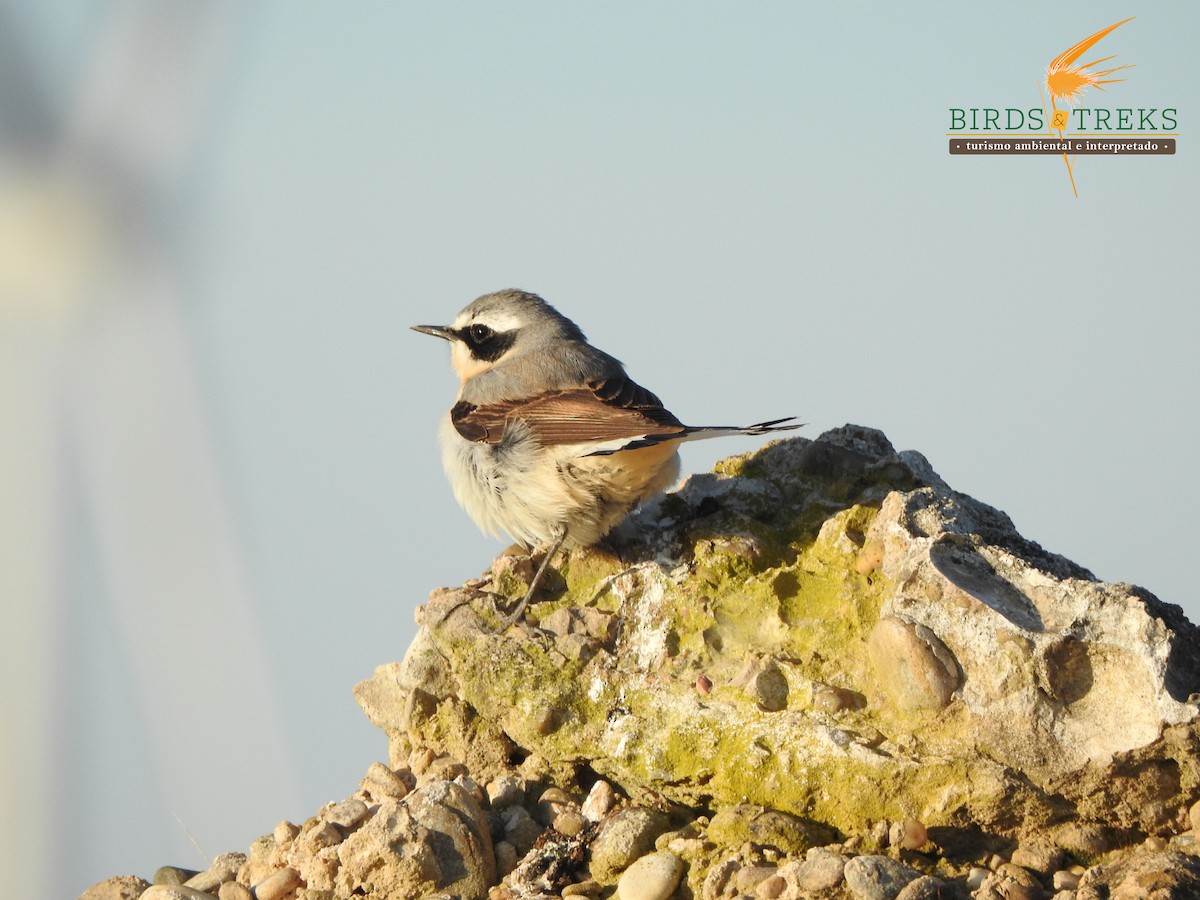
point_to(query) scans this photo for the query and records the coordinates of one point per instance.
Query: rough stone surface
(843, 565)
(121, 887)
(877, 877)
(624, 837)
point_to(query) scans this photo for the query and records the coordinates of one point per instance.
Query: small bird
(549, 439)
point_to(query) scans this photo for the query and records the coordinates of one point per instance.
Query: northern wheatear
(550, 440)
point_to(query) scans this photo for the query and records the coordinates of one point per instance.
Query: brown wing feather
(600, 411)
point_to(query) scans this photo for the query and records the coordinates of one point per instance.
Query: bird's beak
(441, 331)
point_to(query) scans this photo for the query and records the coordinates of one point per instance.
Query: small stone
(1041, 858)
(544, 721)
(224, 868)
(599, 801)
(347, 814)
(318, 836)
(1002, 887)
(506, 857)
(122, 887)
(582, 889)
(1154, 842)
(505, 791)
(175, 892)
(913, 666)
(553, 802)
(908, 835)
(234, 890)
(924, 888)
(623, 838)
(276, 886)
(770, 888)
(685, 847)
(1065, 880)
(285, 832)
(1020, 875)
(380, 782)
(571, 822)
(520, 829)
(1194, 817)
(703, 685)
(821, 870)
(173, 875)
(421, 760)
(719, 881)
(652, 877)
(976, 875)
(763, 680)
(749, 877)
(877, 877)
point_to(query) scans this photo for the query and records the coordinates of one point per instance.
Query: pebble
(924, 888)
(652, 877)
(583, 889)
(506, 857)
(551, 804)
(1194, 817)
(908, 835)
(821, 870)
(346, 814)
(571, 822)
(718, 879)
(976, 876)
(1065, 880)
(234, 890)
(749, 877)
(877, 877)
(623, 838)
(703, 685)
(1039, 858)
(175, 892)
(382, 783)
(173, 875)
(599, 801)
(224, 868)
(318, 836)
(276, 886)
(770, 888)
(285, 832)
(520, 829)
(505, 791)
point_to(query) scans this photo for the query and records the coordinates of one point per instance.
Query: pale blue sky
(751, 205)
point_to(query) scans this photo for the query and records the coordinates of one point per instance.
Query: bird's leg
(555, 546)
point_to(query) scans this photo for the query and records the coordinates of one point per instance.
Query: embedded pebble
(506, 857)
(924, 888)
(235, 890)
(285, 832)
(599, 801)
(173, 875)
(770, 888)
(1065, 880)
(276, 886)
(877, 877)
(175, 892)
(382, 783)
(749, 877)
(346, 814)
(1194, 817)
(582, 889)
(908, 835)
(570, 823)
(652, 877)
(505, 791)
(821, 870)
(703, 685)
(1039, 858)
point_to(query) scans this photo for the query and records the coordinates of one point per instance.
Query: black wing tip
(773, 425)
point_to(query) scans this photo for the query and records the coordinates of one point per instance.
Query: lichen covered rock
(826, 629)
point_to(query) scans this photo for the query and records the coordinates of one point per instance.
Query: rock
(1161, 875)
(347, 814)
(720, 880)
(381, 783)
(122, 887)
(569, 822)
(277, 885)
(624, 837)
(652, 877)
(520, 829)
(877, 877)
(234, 890)
(749, 877)
(599, 801)
(285, 832)
(175, 892)
(1194, 817)
(924, 888)
(782, 831)
(173, 875)
(821, 870)
(434, 840)
(1042, 858)
(223, 869)
(900, 591)
(908, 835)
(505, 791)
